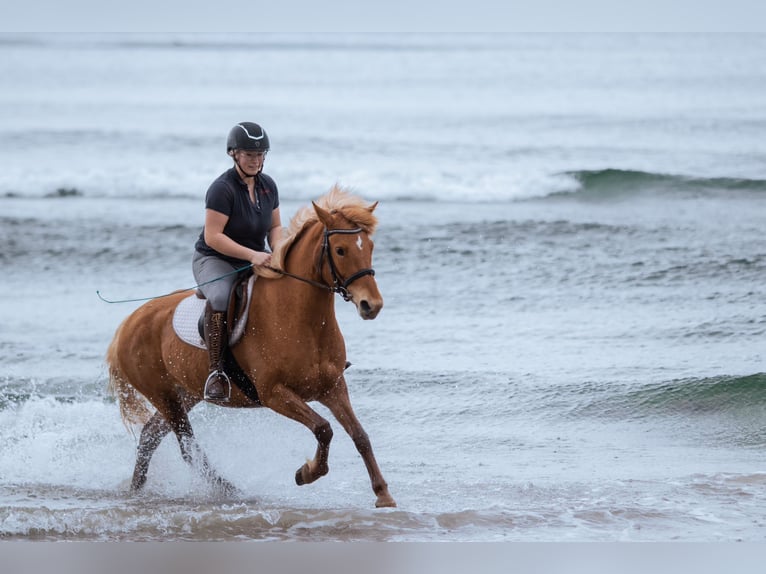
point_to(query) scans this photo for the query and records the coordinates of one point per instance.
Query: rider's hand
(260, 259)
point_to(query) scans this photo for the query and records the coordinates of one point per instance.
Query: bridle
(339, 285)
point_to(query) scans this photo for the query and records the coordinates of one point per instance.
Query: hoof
(385, 501)
(225, 487)
(137, 487)
(305, 475)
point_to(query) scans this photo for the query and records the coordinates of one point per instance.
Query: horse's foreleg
(285, 402)
(340, 406)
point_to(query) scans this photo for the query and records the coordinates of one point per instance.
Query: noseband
(341, 286)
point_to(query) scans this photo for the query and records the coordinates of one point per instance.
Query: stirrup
(227, 387)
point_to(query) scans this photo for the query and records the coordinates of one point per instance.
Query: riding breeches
(209, 268)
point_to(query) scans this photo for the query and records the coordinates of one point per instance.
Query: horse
(292, 348)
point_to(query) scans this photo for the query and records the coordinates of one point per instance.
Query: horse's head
(347, 256)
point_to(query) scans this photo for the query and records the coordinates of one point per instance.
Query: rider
(241, 212)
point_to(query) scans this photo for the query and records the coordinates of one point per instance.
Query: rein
(338, 286)
(245, 268)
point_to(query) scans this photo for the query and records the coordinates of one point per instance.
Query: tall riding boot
(217, 385)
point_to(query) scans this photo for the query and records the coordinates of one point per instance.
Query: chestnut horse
(292, 348)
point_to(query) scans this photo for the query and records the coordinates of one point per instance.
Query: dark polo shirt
(249, 223)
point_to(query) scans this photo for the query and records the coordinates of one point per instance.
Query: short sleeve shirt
(249, 222)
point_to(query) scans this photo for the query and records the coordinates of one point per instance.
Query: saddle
(239, 306)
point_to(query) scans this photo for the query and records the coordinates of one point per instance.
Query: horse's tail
(133, 406)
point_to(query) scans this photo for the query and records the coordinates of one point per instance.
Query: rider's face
(250, 161)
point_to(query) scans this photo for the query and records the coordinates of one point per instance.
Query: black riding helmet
(247, 136)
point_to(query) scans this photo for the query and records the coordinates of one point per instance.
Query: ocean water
(571, 251)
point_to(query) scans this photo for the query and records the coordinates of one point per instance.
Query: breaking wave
(613, 183)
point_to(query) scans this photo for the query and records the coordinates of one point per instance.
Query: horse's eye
(340, 251)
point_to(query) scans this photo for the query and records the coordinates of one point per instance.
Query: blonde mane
(338, 200)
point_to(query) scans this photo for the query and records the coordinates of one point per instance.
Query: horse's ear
(372, 207)
(324, 216)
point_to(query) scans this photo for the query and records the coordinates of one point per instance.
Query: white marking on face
(359, 242)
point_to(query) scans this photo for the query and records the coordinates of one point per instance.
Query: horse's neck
(303, 261)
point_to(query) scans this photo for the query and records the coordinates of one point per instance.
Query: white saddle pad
(186, 320)
(187, 314)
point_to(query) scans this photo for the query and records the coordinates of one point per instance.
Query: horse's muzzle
(369, 308)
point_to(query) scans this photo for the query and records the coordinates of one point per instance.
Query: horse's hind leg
(191, 452)
(151, 437)
(173, 417)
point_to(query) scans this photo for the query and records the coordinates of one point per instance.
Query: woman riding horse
(292, 348)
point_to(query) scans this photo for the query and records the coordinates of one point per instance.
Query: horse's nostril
(367, 310)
